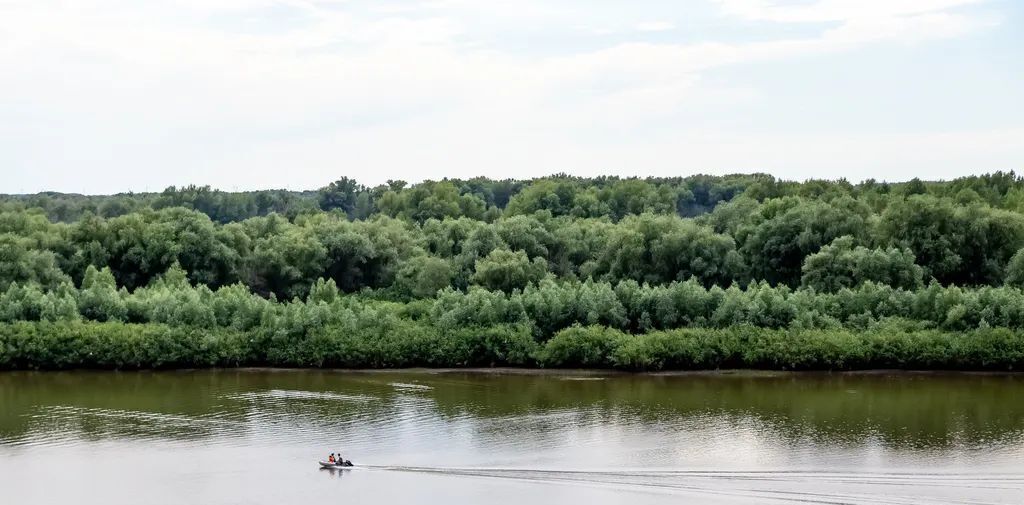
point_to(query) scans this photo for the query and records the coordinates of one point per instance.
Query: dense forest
(638, 274)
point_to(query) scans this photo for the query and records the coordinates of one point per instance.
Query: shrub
(582, 346)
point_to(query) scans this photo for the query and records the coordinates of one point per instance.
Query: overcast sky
(101, 96)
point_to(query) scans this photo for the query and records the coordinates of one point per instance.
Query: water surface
(254, 437)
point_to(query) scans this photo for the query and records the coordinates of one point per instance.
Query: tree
(659, 249)
(965, 245)
(554, 195)
(786, 230)
(507, 270)
(19, 263)
(341, 194)
(286, 264)
(99, 298)
(1015, 270)
(323, 291)
(423, 276)
(842, 265)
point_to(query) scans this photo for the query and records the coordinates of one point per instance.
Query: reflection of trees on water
(186, 406)
(898, 411)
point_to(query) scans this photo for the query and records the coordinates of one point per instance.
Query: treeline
(487, 199)
(220, 206)
(55, 346)
(680, 326)
(477, 198)
(544, 308)
(560, 271)
(791, 241)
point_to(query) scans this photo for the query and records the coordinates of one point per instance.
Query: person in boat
(330, 459)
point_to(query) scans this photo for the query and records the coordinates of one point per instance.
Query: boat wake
(854, 488)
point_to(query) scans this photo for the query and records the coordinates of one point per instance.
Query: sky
(105, 96)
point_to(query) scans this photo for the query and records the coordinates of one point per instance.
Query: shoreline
(555, 372)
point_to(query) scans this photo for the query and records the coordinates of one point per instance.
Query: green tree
(342, 194)
(19, 263)
(787, 230)
(323, 291)
(1015, 270)
(841, 264)
(423, 276)
(506, 270)
(966, 245)
(99, 298)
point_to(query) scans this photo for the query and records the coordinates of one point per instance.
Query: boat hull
(325, 464)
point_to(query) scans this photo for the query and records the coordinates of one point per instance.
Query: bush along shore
(172, 324)
(115, 345)
(674, 273)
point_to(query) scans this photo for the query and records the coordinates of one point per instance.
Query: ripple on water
(853, 488)
(408, 386)
(694, 440)
(284, 394)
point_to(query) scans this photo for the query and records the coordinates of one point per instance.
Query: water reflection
(900, 411)
(715, 438)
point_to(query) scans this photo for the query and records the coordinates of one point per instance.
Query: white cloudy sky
(100, 96)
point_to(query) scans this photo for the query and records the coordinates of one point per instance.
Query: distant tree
(341, 194)
(914, 187)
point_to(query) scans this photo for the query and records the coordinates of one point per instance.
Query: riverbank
(598, 373)
(115, 345)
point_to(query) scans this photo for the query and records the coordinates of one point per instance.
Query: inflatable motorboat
(340, 464)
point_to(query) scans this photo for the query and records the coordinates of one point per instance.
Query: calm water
(254, 437)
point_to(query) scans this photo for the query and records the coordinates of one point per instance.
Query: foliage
(506, 270)
(582, 347)
(841, 265)
(393, 343)
(656, 273)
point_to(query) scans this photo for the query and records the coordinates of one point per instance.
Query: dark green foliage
(955, 243)
(961, 232)
(660, 249)
(424, 276)
(841, 265)
(63, 345)
(748, 347)
(785, 231)
(656, 273)
(341, 194)
(506, 270)
(391, 343)
(582, 347)
(21, 262)
(1015, 270)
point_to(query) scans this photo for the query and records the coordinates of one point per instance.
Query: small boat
(327, 464)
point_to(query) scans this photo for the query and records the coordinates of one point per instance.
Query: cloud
(865, 21)
(181, 91)
(836, 10)
(654, 26)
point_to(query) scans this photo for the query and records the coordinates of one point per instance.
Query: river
(452, 437)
